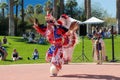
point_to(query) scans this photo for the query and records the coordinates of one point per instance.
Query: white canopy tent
(72, 20)
(93, 20)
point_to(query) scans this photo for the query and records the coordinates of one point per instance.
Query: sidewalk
(72, 71)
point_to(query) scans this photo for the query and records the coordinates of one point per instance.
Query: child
(35, 54)
(15, 55)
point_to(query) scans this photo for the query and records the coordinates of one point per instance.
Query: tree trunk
(11, 19)
(22, 6)
(55, 9)
(88, 9)
(61, 7)
(16, 29)
(85, 7)
(87, 4)
(118, 14)
(3, 13)
(16, 10)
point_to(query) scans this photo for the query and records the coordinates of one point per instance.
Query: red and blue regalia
(72, 26)
(55, 33)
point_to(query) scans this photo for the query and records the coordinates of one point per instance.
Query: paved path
(73, 71)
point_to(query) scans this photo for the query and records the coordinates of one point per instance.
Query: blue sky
(108, 5)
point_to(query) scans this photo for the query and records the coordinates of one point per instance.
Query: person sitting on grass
(4, 40)
(35, 55)
(15, 55)
(3, 53)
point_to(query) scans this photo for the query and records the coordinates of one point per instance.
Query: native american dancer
(72, 26)
(99, 54)
(59, 37)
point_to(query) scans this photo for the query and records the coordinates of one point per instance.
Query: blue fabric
(51, 49)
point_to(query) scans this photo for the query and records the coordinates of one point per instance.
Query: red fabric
(65, 16)
(59, 22)
(39, 29)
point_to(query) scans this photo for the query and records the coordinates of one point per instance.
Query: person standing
(69, 45)
(99, 54)
(57, 35)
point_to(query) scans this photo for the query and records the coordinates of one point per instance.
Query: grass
(26, 49)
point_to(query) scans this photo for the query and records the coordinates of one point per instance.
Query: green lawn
(26, 49)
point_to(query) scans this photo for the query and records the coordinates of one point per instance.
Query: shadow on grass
(18, 39)
(90, 76)
(6, 46)
(26, 41)
(8, 60)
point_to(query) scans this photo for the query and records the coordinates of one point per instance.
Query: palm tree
(71, 4)
(61, 7)
(3, 6)
(55, 9)
(118, 14)
(38, 9)
(30, 10)
(87, 5)
(22, 7)
(11, 19)
(16, 3)
(48, 5)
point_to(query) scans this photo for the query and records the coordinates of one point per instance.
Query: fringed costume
(59, 38)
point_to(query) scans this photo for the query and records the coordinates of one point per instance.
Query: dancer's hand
(74, 26)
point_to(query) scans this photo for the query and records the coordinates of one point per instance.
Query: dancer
(72, 26)
(98, 49)
(57, 35)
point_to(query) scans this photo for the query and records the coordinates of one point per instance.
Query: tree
(87, 5)
(22, 7)
(3, 6)
(118, 14)
(16, 3)
(62, 6)
(48, 5)
(30, 10)
(11, 19)
(55, 9)
(71, 4)
(38, 9)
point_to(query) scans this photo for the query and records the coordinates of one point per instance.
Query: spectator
(35, 55)
(15, 55)
(24, 36)
(99, 54)
(30, 40)
(32, 35)
(3, 53)
(41, 40)
(4, 40)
